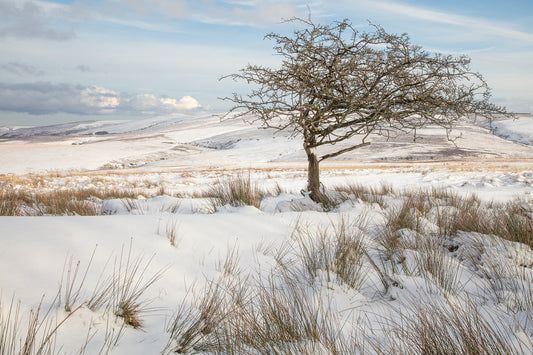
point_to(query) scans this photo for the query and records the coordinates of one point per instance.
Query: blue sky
(66, 60)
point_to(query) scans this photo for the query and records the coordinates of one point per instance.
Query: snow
(519, 130)
(187, 155)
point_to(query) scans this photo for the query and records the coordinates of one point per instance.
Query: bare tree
(336, 82)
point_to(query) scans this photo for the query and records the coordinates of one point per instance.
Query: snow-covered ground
(184, 156)
(205, 141)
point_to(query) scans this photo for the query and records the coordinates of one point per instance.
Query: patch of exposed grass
(236, 191)
(34, 336)
(11, 202)
(449, 327)
(82, 202)
(368, 194)
(121, 292)
(338, 250)
(264, 315)
(130, 281)
(437, 267)
(511, 221)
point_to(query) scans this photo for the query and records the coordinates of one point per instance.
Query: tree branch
(342, 151)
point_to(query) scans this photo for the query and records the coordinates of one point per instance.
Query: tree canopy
(336, 82)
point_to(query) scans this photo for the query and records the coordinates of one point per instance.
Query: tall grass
(236, 191)
(436, 266)
(511, 221)
(369, 194)
(289, 305)
(71, 286)
(11, 202)
(272, 314)
(121, 292)
(338, 250)
(275, 312)
(449, 327)
(130, 282)
(82, 202)
(34, 336)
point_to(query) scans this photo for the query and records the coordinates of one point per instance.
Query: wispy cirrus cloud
(34, 19)
(479, 25)
(40, 98)
(168, 8)
(52, 21)
(21, 69)
(84, 68)
(252, 13)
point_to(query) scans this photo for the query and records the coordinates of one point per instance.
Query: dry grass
(511, 221)
(368, 194)
(37, 336)
(130, 281)
(337, 250)
(273, 314)
(71, 287)
(509, 279)
(236, 191)
(452, 213)
(69, 202)
(11, 202)
(121, 292)
(437, 267)
(286, 309)
(171, 232)
(449, 328)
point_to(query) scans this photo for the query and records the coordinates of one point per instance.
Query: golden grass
(298, 167)
(82, 202)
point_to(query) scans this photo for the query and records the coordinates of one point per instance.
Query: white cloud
(100, 99)
(150, 104)
(187, 103)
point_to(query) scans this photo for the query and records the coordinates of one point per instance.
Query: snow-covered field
(171, 246)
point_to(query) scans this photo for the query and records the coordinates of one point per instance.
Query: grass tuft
(436, 266)
(236, 191)
(451, 328)
(130, 282)
(37, 337)
(61, 202)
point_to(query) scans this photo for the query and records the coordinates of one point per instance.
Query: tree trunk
(313, 176)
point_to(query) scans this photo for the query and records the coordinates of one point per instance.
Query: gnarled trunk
(313, 175)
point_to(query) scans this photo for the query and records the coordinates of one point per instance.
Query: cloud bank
(47, 98)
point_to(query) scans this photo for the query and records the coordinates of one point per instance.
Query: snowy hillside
(519, 130)
(189, 235)
(184, 141)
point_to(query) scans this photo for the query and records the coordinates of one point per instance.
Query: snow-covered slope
(92, 127)
(203, 251)
(519, 130)
(204, 140)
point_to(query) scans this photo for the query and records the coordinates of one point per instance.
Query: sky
(66, 60)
